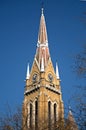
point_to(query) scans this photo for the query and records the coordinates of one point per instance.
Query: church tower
(42, 105)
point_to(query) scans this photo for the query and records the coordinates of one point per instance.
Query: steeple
(42, 35)
(28, 72)
(42, 96)
(42, 45)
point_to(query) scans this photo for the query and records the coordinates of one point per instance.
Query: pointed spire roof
(57, 71)
(28, 72)
(42, 52)
(42, 35)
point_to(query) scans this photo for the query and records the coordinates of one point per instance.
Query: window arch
(36, 113)
(31, 110)
(49, 114)
(55, 113)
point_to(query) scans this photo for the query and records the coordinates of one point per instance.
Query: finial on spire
(42, 7)
(57, 71)
(42, 10)
(28, 72)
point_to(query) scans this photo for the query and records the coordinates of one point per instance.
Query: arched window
(31, 115)
(49, 114)
(55, 106)
(36, 114)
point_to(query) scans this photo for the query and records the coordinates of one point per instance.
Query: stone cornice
(51, 88)
(36, 87)
(32, 89)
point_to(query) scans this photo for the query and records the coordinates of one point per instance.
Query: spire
(28, 72)
(57, 71)
(42, 53)
(42, 35)
(42, 65)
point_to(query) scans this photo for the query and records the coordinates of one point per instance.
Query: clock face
(34, 78)
(50, 77)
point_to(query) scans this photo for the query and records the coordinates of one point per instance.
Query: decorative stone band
(42, 44)
(53, 89)
(35, 88)
(32, 90)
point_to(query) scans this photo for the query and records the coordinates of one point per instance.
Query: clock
(50, 77)
(34, 78)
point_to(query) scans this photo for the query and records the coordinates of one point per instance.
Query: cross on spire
(42, 7)
(42, 10)
(42, 4)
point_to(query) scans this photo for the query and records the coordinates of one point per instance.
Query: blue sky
(19, 25)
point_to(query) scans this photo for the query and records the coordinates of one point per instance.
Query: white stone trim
(57, 71)
(37, 63)
(28, 72)
(42, 44)
(28, 113)
(42, 65)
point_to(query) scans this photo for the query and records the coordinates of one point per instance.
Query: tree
(80, 98)
(80, 63)
(11, 121)
(80, 70)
